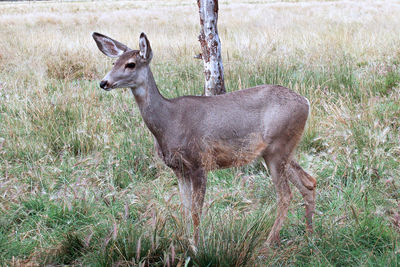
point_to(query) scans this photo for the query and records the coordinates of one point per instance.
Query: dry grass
(78, 175)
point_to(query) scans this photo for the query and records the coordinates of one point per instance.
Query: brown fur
(227, 153)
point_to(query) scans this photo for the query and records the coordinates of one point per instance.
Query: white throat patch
(139, 91)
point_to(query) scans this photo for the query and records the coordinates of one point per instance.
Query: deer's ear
(108, 46)
(145, 48)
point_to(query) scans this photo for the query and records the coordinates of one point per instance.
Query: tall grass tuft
(232, 239)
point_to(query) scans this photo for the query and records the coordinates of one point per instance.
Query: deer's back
(235, 128)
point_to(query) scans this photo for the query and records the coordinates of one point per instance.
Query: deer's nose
(103, 83)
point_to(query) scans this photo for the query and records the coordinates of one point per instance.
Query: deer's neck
(152, 105)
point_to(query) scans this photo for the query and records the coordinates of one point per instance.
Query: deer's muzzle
(104, 84)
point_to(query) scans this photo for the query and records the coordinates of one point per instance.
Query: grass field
(80, 183)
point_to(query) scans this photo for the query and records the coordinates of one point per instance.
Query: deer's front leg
(199, 180)
(185, 192)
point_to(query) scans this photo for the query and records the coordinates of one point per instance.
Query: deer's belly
(232, 153)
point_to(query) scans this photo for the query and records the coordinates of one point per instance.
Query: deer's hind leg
(306, 184)
(278, 169)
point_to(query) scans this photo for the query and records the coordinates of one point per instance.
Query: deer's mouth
(108, 87)
(105, 85)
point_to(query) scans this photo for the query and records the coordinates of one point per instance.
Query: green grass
(89, 201)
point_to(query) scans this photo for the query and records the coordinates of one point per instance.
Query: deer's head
(132, 66)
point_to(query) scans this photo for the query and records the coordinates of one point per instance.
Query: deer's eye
(130, 65)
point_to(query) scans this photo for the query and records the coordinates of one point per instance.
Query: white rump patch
(309, 105)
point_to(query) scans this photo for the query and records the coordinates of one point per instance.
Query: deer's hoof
(193, 246)
(273, 240)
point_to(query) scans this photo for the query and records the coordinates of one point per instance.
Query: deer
(197, 134)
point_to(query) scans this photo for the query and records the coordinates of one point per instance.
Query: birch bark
(211, 48)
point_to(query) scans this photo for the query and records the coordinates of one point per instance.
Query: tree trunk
(211, 48)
